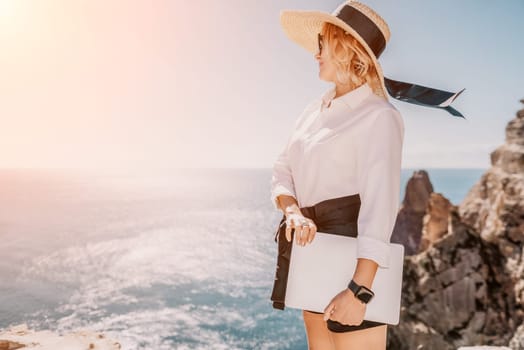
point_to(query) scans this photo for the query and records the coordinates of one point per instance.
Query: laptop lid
(323, 268)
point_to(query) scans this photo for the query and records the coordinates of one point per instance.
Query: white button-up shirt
(343, 146)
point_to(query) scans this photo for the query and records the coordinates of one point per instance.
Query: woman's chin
(321, 77)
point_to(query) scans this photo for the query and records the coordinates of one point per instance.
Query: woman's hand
(305, 228)
(345, 308)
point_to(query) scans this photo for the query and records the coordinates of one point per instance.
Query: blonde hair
(352, 62)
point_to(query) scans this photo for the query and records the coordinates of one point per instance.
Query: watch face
(364, 295)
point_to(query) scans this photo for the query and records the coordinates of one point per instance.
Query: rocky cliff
(463, 279)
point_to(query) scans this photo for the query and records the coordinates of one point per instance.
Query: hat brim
(303, 27)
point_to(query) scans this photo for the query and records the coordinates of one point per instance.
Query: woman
(344, 157)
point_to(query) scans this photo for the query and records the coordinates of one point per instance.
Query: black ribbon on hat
(422, 95)
(402, 91)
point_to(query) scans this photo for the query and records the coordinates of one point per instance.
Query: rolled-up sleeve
(379, 164)
(282, 178)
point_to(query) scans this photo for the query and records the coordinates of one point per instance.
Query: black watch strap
(357, 291)
(353, 286)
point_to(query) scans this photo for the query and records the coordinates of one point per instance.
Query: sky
(142, 84)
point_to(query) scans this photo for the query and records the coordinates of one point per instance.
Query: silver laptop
(323, 268)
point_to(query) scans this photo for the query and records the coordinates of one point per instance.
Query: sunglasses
(320, 41)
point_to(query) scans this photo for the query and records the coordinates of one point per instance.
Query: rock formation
(20, 337)
(408, 227)
(435, 224)
(463, 280)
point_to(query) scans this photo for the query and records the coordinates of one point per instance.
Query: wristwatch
(363, 293)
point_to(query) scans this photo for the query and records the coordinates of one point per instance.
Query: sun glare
(7, 8)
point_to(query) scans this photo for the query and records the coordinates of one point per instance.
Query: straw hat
(370, 30)
(357, 19)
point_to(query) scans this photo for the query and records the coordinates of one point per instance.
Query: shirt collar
(350, 99)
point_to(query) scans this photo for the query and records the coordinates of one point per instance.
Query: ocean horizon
(182, 259)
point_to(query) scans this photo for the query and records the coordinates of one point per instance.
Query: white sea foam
(221, 256)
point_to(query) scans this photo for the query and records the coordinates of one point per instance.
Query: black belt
(337, 216)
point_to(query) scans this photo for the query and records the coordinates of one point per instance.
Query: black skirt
(337, 216)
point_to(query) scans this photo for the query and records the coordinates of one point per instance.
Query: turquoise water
(181, 260)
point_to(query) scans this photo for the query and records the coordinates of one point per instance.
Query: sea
(174, 259)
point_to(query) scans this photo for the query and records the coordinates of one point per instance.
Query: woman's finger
(305, 235)
(298, 233)
(289, 227)
(311, 232)
(328, 311)
(314, 232)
